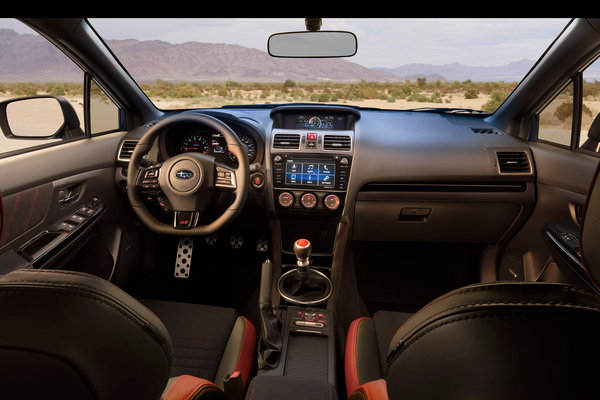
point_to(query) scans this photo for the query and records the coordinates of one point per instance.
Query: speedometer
(194, 142)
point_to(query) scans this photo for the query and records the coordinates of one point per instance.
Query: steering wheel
(189, 180)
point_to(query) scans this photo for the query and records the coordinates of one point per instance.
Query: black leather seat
(486, 341)
(70, 335)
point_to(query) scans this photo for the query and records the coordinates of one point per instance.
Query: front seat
(487, 341)
(69, 335)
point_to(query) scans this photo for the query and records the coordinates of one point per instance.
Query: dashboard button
(332, 202)
(286, 199)
(308, 200)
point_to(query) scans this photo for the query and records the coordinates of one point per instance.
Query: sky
(381, 42)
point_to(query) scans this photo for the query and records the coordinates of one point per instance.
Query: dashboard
(415, 173)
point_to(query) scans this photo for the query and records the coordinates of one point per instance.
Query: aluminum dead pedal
(262, 244)
(183, 260)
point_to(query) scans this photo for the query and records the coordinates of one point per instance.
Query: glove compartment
(443, 213)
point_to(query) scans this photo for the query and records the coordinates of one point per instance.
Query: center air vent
(511, 162)
(126, 149)
(286, 141)
(336, 142)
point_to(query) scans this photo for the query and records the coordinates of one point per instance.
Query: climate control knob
(286, 199)
(308, 200)
(332, 202)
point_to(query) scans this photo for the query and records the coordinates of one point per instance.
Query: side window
(589, 138)
(104, 113)
(556, 120)
(580, 100)
(47, 80)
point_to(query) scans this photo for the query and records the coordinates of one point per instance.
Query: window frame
(87, 77)
(87, 108)
(577, 98)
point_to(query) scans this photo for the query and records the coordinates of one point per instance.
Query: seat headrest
(79, 331)
(594, 131)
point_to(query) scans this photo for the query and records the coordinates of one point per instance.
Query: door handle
(576, 212)
(68, 195)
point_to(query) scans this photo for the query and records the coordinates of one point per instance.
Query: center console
(311, 152)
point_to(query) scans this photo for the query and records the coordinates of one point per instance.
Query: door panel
(563, 180)
(53, 197)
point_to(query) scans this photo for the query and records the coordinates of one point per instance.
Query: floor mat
(221, 270)
(405, 276)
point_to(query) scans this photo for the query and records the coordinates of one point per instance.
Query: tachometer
(249, 147)
(194, 142)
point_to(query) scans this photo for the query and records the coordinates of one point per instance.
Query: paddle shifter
(304, 285)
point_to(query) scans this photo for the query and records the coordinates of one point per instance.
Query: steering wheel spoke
(225, 177)
(185, 219)
(147, 178)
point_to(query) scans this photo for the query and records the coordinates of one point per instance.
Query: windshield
(400, 63)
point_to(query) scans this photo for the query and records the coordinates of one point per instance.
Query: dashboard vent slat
(126, 149)
(286, 141)
(513, 162)
(485, 131)
(337, 142)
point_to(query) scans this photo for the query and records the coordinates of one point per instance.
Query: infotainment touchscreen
(310, 173)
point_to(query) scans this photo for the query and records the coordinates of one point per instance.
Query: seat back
(74, 336)
(498, 341)
(589, 237)
(505, 340)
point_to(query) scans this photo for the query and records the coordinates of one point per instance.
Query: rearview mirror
(312, 44)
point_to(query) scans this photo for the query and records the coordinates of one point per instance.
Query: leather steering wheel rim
(242, 175)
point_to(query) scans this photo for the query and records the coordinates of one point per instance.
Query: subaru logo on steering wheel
(184, 174)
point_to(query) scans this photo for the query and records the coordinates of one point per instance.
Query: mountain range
(27, 57)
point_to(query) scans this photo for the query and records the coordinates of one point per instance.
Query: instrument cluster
(204, 140)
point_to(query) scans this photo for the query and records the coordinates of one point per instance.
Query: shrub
(496, 99)
(471, 93)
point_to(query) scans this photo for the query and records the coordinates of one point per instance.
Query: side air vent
(286, 141)
(513, 162)
(337, 142)
(486, 131)
(126, 150)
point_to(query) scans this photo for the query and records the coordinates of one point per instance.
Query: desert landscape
(380, 97)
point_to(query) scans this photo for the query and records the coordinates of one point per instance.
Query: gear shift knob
(302, 249)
